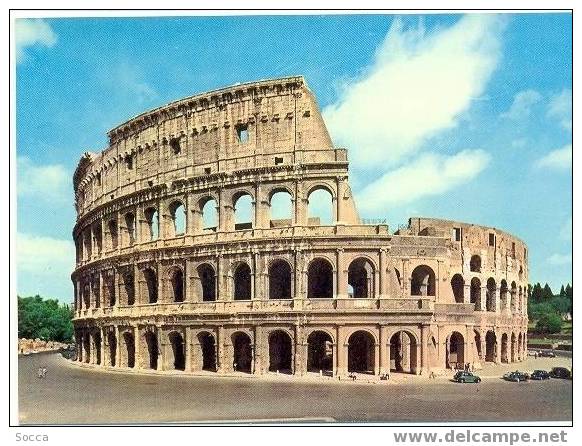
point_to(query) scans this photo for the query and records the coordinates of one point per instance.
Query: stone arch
(207, 351)
(113, 233)
(176, 276)
(490, 295)
(455, 350)
(361, 278)
(242, 282)
(362, 352)
(128, 357)
(320, 352)
(178, 216)
(422, 281)
(153, 222)
(475, 264)
(97, 346)
(178, 350)
(129, 287)
(320, 205)
(513, 355)
(504, 348)
(130, 228)
(280, 207)
(207, 277)
(513, 297)
(112, 342)
(320, 279)
(151, 281)
(152, 350)
(403, 352)
(490, 346)
(208, 207)
(476, 293)
(503, 294)
(279, 279)
(87, 348)
(458, 286)
(242, 204)
(520, 351)
(280, 352)
(242, 352)
(478, 353)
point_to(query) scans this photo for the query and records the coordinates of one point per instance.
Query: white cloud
(560, 259)
(557, 159)
(419, 84)
(429, 174)
(45, 255)
(129, 79)
(522, 104)
(560, 108)
(50, 182)
(29, 32)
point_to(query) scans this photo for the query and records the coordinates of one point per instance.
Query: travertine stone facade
(159, 285)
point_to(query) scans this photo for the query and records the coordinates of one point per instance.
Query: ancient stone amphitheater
(171, 274)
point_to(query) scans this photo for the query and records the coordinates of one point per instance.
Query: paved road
(72, 395)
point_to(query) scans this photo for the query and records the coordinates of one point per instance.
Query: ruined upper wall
(259, 124)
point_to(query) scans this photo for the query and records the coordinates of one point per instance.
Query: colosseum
(172, 274)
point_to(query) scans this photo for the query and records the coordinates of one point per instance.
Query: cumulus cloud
(560, 259)
(30, 32)
(560, 108)
(429, 174)
(419, 84)
(45, 255)
(49, 182)
(559, 159)
(522, 105)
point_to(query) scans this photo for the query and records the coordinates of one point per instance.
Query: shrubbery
(549, 323)
(44, 319)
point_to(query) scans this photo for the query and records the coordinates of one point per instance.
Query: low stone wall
(26, 346)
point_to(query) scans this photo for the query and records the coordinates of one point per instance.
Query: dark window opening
(175, 145)
(129, 162)
(457, 234)
(207, 170)
(491, 239)
(278, 160)
(242, 132)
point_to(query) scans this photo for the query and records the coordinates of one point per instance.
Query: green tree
(568, 291)
(547, 293)
(536, 293)
(549, 323)
(44, 319)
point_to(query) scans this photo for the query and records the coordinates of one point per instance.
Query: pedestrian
(234, 364)
(39, 373)
(44, 372)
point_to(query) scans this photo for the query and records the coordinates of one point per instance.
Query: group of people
(467, 367)
(41, 373)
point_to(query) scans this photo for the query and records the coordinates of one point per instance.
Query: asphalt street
(73, 395)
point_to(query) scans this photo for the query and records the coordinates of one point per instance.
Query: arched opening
(320, 207)
(153, 223)
(476, 293)
(491, 294)
(361, 352)
(243, 211)
(361, 278)
(152, 349)
(178, 216)
(177, 280)
(520, 347)
(490, 346)
(87, 348)
(97, 347)
(475, 264)
(458, 286)
(280, 280)
(504, 348)
(207, 282)
(243, 353)
(319, 279)
(242, 282)
(109, 288)
(455, 350)
(97, 237)
(112, 341)
(280, 352)
(208, 207)
(208, 351)
(513, 356)
(520, 300)
(113, 237)
(513, 297)
(281, 207)
(422, 281)
(403, 352)
(152, 285)
(128, 286)
(129, 357)
(477, 339)
(503, 294)
(178, 350)
(130, 228)
(320, 353)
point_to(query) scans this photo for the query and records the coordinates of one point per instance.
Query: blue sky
(460, 117)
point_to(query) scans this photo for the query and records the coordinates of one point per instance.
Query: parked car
(561, 372)
(532, 353)
(466, 377)
(516, 376)
(546, 354)
(539, 375)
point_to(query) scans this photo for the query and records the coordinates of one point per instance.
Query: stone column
(190, 277)
(384, 350)
(221, 360)
(467, 293)
(377, 347)
(340, 190)
(256, 289)
(260, 360)
(424, 365)
(341, 288)
(342, 353)
(301, 205)
(187, 349)
(118, 345)
(383, 277)
(300, 350)
(483, 299)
